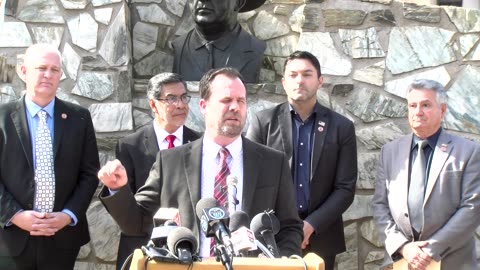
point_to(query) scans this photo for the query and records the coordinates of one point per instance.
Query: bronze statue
(218, 41)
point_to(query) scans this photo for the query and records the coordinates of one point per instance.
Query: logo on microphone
(216, 213)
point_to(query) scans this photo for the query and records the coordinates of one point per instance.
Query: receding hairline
(45, 48)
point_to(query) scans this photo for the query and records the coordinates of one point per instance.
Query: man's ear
(240, 4)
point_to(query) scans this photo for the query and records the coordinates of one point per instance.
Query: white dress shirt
(161, 135)
(210, 163)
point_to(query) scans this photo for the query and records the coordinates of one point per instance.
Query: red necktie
(170, 139)
(220, 188)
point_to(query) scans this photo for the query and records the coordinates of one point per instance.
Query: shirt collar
(162, 134)
(210, 148)
(33, 108)
(314, 112)
(221, 43)
(432, 140)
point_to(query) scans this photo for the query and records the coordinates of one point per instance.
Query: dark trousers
(41, 253)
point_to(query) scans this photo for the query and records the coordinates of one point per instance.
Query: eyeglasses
(170, 100)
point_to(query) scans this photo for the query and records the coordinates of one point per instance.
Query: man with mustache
(426, 204)
(183, 175)
(218, 41)
(321, 147)
(168, 99)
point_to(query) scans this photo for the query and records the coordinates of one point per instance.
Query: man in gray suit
(168, 100)
(181, 176)
(441, 226)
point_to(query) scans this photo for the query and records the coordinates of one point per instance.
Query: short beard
(230, 131)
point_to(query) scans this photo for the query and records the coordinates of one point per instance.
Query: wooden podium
(313, 262)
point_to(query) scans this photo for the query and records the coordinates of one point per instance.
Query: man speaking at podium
(183, 175)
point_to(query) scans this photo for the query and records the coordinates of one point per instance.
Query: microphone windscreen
(205, 203)
(181, 237)
(237, 220)
(263, 221)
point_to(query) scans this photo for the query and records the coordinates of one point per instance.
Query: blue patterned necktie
(44, 171)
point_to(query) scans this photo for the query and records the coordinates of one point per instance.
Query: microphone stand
(222, 255)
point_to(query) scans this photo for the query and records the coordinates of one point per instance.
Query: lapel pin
(320, 129)
(443, 147)
(64, 116)
(321, 123)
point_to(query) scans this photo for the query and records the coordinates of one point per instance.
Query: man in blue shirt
(48, 164)
(321, 147)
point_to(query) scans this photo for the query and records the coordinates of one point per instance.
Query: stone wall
(369, 51)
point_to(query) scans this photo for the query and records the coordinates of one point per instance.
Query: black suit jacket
(137, 152)
(333, 168)
(76, 166)
(175, 182)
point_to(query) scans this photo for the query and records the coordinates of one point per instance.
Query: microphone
(165, 214)
(265, 225)
(160, 233)
(183, 244)
(243, 239)
(232, 193)
(212, 222)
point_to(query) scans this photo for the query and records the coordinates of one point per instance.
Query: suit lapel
(402, 152)
(440, 156)
(252, 160)
(192, 159)
(188, 135)
(60, 121)
(321, 127)
(150, 141)
(285, 124)
(19, 119)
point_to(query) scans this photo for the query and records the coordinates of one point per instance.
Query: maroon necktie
(220, 188)
(170, 139)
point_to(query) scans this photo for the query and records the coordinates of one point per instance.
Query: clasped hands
(41, 223)
(417, 259)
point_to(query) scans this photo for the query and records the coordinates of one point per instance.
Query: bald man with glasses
(168, 100)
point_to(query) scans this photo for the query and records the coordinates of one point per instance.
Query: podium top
(313, 262)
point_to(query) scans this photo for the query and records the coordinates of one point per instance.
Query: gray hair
(435, 86)
(157, 82)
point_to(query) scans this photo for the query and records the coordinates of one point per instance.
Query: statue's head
(208, 12)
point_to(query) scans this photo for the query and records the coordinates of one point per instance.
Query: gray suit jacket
(175, 181)
(451, 206)
(333, 168)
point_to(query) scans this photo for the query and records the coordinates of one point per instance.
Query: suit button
(30, 206)
(406, 215)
